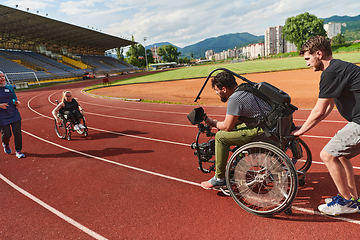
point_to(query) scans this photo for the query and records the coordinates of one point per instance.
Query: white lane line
(53, 210)
(112, 162)
(324, 215)
(181, 113)
(122, 134)
(158, 174)
(144, 138)
(140, 120)
(165, 176)
(323, 121)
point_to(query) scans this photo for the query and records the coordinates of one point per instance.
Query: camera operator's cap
(196, 116)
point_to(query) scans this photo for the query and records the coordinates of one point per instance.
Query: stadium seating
(12, 61)
(107, 63)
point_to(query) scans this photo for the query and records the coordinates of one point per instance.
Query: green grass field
(256, 66)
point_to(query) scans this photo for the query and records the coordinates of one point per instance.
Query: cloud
(188, 21)
(32, 5)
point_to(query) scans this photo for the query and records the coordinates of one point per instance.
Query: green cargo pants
(239, 136)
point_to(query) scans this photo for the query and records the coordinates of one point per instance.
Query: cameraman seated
(233, 132)
(70, 108)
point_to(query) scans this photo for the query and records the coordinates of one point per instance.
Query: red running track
(135, 177)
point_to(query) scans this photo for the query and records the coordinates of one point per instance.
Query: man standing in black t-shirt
(340, 86)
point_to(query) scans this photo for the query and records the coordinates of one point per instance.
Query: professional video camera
(204, 151)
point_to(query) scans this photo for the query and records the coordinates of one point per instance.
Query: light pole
(145, 53)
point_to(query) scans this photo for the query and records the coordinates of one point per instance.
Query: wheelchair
(67, 126)
(263, 175)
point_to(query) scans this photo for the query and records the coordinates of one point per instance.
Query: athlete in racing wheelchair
(69, 117)
(260, 175)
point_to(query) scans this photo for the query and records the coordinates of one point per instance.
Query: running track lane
(135, 176)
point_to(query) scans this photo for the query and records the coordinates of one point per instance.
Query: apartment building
(275, 43)
(332, 29)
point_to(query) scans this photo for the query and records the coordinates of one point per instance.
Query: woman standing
(9, 117)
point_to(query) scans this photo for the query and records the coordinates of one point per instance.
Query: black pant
(16, 130)
(72, 115)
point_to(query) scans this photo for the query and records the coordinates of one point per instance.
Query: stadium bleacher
(106, 63)
(12, 61)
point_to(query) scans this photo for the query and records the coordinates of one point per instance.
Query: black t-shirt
(71, 106)
(341, 81)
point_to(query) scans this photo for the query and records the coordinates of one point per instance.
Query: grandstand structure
(52, 50)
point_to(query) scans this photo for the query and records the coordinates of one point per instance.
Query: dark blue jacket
(11, 114)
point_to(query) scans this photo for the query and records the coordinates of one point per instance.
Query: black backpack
(280, 116)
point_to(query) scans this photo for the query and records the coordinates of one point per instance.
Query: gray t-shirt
(245, 104)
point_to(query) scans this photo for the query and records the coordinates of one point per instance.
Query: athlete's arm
(321, 110)
(227, 125)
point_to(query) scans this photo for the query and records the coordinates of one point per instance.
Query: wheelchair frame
(67, 127)
(263, 175)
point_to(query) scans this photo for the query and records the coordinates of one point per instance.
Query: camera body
(203, 151)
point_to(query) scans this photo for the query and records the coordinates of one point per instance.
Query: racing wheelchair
(263, 175)
(67, 126)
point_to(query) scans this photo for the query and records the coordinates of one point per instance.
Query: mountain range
(230, 41)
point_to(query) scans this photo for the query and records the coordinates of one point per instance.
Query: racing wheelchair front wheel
(61, 130)
(83, 131)
(261, 179)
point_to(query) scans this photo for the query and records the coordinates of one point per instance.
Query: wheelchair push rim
(261, 179)
(61, 130)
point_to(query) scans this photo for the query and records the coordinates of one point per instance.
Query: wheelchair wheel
(85, 130)
(261, 179)
(304, 163)
(61, 130)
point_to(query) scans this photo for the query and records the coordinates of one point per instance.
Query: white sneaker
(338, 206)
(81, 126)
(76, 127)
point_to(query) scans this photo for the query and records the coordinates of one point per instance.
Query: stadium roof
(26, 31)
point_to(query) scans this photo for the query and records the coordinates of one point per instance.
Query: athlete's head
(224, 84)
(317, 43)
(67, 96)
(2, 79)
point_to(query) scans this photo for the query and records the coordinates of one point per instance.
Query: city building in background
(275, 43)
(333, 29)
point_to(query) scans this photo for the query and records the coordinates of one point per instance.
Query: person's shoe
(213, 183)
(76, 127)
(81, 126)
(19, 154)
(357, 201)
(339, 205)
(6, 148)
(327, 200)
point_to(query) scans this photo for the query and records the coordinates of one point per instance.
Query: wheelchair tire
(83, 131)
(261, 179)
(61, 130)
(304, 163)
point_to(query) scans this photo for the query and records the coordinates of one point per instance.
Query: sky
(182, 22)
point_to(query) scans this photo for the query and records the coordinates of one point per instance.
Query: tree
(133, 61)
(301, 28)
(120, 53)
(136, 55)
(169, 53)
(338, 39)
(184, 60)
